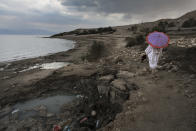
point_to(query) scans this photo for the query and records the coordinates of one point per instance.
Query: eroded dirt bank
(116, 92)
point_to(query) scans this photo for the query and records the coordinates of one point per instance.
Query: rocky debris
(120, 90)
(189, 93)
(15, 114)
(42, 110)
(192, 76)
(125, 74)
(5, 77)
(185, 42)
(103, 90)
(119, 84)
(170, 67)
(5, 111)
(174, 68)
(118, 60)
(106, 78)
(50, 114)
(4, 65)
(6, 90)
(142, 71)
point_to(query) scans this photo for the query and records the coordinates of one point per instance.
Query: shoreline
(112, 83)
(39, 57)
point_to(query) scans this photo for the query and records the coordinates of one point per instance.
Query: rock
(15, 114)
(118, 60)
(167, 66)
(5, 77)
(103, 90)
(42, 110)
(125, 74)
(5, 111)
(93, 113)
(192, 76)
(50, 115)
(6, 89)
(174, 68)
(106, 78)
(2, 65)
(112, 95)
(119, 84)
(144, 69)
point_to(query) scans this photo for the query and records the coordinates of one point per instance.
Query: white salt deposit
(54, 65)
(47, 66)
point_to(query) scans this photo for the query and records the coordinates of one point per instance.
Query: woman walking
(157, 41)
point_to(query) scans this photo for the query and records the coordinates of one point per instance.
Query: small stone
(103, 89)
(42, 110)
(6, 89)
(192, 76)
(112, 95)
(15, 114)
(106, 78)
(5, 77)
(144, 69)
(119, 84)
(50, 115)
(125, 74)
(93, 113)
(5, 111)
(174, 68)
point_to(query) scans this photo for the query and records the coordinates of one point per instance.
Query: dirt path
(160, 105)
(166, 109)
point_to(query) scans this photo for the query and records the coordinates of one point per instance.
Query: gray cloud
(131, 7)
(66, 15)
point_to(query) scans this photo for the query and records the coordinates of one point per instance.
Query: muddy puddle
(33, 107)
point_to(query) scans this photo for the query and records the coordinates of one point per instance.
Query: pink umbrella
(158, 39)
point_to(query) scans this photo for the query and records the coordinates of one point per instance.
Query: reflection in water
(52, 103)
(17, 47)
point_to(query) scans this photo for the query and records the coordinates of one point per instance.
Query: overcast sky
(65, 15)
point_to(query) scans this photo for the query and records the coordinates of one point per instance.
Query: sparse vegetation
(171, 24)
(87, 31)
(132, 41)
(146, 30)
(161, 27)
(189, 23)
(96, 31)
(134, 28)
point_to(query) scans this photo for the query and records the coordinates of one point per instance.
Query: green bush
(132, 41)
(189, 23)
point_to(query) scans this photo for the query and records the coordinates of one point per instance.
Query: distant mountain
(171, 26)
(26, 32)
(188, 15)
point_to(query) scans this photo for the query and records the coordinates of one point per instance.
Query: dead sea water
(17, 47)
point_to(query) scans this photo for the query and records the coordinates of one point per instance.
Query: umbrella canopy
(157, 39)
